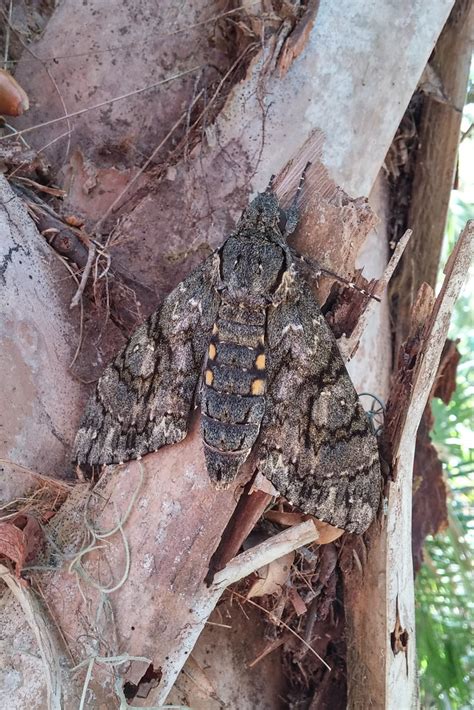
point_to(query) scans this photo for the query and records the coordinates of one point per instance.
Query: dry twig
(85, 275)
(81, 111)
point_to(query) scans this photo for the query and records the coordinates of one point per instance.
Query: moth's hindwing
(144, 398)
(317, 446)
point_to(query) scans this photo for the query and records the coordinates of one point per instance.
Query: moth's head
(264, 212)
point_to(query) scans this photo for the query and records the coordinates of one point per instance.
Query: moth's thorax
(263, 213)
(233, 390)
(251, 266)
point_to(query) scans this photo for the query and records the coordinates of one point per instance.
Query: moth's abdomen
(233, 392)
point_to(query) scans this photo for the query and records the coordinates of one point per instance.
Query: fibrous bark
(321, 110)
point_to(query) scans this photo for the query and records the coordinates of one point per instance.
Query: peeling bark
(388, 573)
(336, 99)
(433, 156)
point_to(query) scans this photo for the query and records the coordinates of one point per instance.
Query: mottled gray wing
(317, 447)
(144, 398)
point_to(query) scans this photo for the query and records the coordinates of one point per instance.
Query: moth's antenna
(351, 284)
(292, 214)
(271, 182)
(297, 196)
(317, 269)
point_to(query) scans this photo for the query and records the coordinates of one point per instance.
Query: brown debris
(327, 533)
(272, 578)
(445, 383)
(69, 241)
(345, 305)
(20, 540)
(13, 545)
(297, 40)
(399, 636)
(429, 488)
(430, 513)
(13, 98)
(414, 352)
(298, 603)
(245, 516)
(400, 392)
(47, 189)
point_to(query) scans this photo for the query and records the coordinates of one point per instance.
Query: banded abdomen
(233, 389)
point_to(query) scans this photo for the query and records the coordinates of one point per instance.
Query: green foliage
(445, 609)
(445, 586)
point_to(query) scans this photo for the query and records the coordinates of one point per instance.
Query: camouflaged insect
(244, 336)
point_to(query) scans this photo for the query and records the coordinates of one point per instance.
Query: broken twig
(85, 275)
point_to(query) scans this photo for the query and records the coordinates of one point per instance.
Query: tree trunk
(269, 93)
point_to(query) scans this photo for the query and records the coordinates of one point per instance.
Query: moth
(244, 338)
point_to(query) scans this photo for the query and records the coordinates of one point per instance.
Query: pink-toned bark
(322, 110)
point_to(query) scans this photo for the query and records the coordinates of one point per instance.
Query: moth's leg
(316, 270)
(292, 214)
(200, 384)
(216, 279)
(312, 265)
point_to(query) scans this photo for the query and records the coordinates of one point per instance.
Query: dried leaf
(13, 99)
(298, 604)
(327, 533)
(261, 483)
(21, 539)
(48, 515)
(285, 518)
(33, 533)
(272, 577)
(445, 383)
(74, 221)
(431, 84)
(327, 564)
(13, 545)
